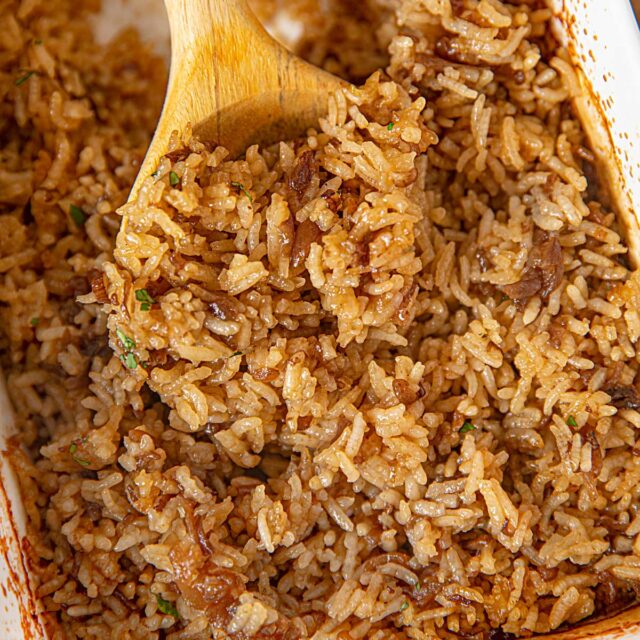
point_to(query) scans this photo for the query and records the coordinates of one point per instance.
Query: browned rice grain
(379, 382)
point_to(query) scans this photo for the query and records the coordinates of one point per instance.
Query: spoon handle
(217, 26)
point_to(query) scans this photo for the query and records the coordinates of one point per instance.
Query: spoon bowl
(232, 83)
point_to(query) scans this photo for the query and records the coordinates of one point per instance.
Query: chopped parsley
(73, 449)
(571, 421)
(390, 126)
(241, 187)
(155, 173)
(128, 357)
(129, 360)
(166, 607)
(35, 321)
(142, 296)
(417, 586)
(77, 215)
(126, 341)
(236, 353)
(404, 605)
(504, 299)
(37, 41)
(173, 178)
(23, 78)
(467, 426)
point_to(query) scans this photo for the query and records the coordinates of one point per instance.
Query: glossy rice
(376, 382)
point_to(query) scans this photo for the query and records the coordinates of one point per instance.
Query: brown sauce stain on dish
(12, 545)
(612, 166)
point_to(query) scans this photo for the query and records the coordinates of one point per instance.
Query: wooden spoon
(232, 82)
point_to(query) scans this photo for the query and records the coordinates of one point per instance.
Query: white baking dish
(605, 43)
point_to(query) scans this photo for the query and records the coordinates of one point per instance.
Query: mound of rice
(378, 382)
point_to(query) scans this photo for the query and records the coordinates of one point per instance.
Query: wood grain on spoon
(232, 82)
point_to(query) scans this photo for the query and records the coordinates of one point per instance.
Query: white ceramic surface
(605, 41)
(17, 604)
(603, 38)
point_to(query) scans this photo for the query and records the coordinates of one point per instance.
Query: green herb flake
(34, 322)
(390, 126)
(130, 361)
(77, 215)
(23, 78)
(504, 299)
(467, 426)
(404, 606)
(241, 187)
(37, 41)
(142, 296)
(155, 173)
(571, 421)
(166, 607)
(73, 449)
(126, 341)
(173, 178)
(236, 353)
(417, 586)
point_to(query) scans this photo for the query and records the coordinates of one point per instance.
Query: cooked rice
(378, 382)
